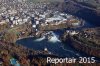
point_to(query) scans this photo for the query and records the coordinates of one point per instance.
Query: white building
(59, 18)
(37, 22)
(34, 26)
(76, 23)
(11, 18)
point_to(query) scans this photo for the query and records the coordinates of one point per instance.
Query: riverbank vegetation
(27, 57)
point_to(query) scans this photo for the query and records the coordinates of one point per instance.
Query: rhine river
(54, 45)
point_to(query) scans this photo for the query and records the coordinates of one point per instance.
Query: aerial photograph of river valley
(49, 32)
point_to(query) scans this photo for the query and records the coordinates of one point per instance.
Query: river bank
(86, 14)
(85, 41)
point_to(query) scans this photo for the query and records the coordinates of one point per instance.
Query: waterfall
(54, 38)
(40, 39)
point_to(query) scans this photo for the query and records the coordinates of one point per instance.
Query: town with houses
(18, 13)
(21, 19)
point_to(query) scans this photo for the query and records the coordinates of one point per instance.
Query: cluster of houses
(55, 18)
(17, 13)
(14, 12)
(14, 18)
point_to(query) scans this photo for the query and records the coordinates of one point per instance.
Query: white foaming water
(40, 39)
(54, 38)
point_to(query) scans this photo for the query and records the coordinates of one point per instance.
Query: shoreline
(84, 47)
(24, 38)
